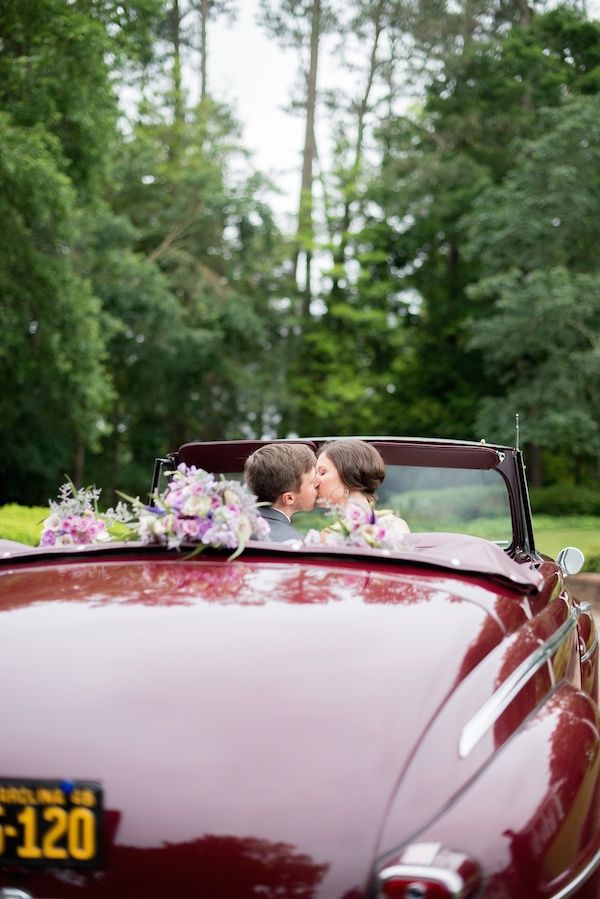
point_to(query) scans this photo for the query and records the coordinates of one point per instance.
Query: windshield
(470, 501)
(458, 500)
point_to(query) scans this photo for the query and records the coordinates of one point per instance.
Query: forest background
(442, 274)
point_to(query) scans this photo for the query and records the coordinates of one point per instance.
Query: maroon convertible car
(306, 721)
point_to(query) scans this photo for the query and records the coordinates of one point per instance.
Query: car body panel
(294, 722)
(278, 665)
(539, 830)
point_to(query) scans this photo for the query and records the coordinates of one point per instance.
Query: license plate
(53, 823)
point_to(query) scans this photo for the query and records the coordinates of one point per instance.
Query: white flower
(196, 505)
(53, 522)
(358, 525)
(244, 529)
(230, 496)
(154, 525)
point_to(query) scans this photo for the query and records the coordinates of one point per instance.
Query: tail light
(417, 886)
(429, 871)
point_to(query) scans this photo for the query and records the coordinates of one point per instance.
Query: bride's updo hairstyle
(359, 465)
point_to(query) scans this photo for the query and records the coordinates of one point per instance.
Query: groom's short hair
(275, 468)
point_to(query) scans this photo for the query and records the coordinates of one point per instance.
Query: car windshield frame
(228, 457)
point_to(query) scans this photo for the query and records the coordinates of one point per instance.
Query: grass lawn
(553, 534)
(22, 523)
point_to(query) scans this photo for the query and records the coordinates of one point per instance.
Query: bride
(349, 473)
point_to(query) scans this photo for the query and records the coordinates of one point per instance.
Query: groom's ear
(288, 498)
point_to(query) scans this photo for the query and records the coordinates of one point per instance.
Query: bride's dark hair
(359, 465)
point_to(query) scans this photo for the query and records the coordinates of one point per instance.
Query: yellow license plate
(50, 823)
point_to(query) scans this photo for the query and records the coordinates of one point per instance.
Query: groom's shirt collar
(285, 515)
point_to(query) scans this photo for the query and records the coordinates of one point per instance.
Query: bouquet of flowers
(195, 508)
(359, 525)
(198, 508)
(74, 519)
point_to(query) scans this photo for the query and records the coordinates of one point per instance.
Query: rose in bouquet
(359, 525)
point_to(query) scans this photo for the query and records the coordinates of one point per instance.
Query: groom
(284, 475)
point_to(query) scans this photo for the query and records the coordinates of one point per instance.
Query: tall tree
(55, 384)
(353, 346)
(301, 24)
(536, 236)
(204, 319)
(367, 24)
(435, 165)
(209, 11)
(59, 114)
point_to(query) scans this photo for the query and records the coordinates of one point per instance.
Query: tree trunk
(204, 10)
(305, 224)
(339, 256)
(178, 111)
(524, 13)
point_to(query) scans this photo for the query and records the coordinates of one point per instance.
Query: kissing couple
(291, 478)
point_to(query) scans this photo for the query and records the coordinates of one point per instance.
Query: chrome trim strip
(590, 652)
(450, 879)
(493, 707)
(585, 608)
(14, 893)
(583, 875)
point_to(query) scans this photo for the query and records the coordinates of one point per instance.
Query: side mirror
(570, 560)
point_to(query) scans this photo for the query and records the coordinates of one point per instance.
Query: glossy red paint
(536, 807)
(249, 710)
(233, 701)
(295, 722)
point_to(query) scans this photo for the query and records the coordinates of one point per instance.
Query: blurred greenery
(554, 534)
(565, 500)
(22, 523)
(443, 273)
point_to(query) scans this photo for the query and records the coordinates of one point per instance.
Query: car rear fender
(482, 714)
(539, 837)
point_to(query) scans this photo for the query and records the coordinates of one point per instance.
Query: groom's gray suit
(281, 529)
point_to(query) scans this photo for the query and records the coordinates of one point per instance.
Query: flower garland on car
(196, 508)
(360, 525)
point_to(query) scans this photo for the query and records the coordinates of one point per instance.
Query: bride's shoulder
(388, 516)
